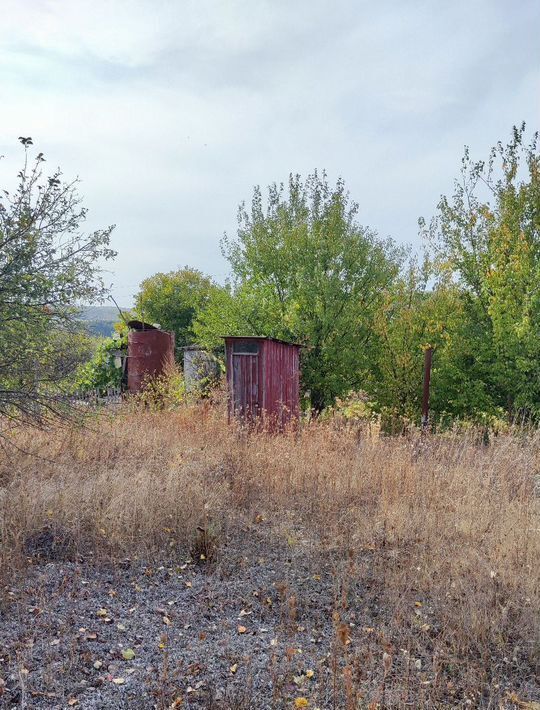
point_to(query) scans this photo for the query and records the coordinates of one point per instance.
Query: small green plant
(164, 392)
(104, 370)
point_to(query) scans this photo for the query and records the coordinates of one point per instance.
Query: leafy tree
(47, 266)
(486, 239)
(412, 317)
(305, 270)
(101, 372)
(173, 299)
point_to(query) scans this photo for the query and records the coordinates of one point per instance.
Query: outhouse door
(246, 381)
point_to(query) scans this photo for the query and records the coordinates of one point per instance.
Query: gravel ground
(246, 632)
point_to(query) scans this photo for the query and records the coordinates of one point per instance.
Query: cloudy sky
(170, 111)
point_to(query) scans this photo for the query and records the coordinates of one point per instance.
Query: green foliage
(173, 299)
(486, 240)
(46, 266)
(305, 270)
(165, 392)
(102, 372)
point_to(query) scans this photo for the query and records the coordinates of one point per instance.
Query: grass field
(370, 571)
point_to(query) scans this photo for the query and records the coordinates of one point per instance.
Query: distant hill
(100, 320)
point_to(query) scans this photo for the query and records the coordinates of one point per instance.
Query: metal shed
(263, 378)
(150, 353)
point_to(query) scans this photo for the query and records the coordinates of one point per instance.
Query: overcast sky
(170, 112)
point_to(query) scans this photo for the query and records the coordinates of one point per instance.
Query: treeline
(304, 269)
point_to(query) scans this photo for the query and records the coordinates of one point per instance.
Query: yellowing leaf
(234, 668)
(301, 703)
(128, 654)
(310, 673)
(102, 613)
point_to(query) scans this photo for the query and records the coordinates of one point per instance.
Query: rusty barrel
(150, 353)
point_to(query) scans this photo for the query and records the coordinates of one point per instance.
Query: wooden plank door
(246, 386)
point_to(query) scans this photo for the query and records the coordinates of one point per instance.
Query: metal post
(428, 356)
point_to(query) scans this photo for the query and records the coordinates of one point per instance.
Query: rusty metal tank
(150, 353)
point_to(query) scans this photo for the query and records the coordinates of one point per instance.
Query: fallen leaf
(128, 654)
(234, 668)
(242, 629)
(310, 673)
(166, 621)
(301, 703)
(97, 665)
(73, 701)
(102, 613)
(118, 681)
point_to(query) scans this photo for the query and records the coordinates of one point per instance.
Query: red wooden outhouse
(263, 378)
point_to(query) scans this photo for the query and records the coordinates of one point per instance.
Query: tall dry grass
(441, 521)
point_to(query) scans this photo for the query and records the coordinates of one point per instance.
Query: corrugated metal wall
(150, 353)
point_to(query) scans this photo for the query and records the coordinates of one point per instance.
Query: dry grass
(443, 534)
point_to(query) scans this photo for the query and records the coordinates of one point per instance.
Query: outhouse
(263, 378)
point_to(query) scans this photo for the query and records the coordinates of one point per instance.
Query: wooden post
(428, 356)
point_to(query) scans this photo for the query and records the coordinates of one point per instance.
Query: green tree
(173, 299)
(47, 266)
(412, 317)
(305, 270)
(486, 239)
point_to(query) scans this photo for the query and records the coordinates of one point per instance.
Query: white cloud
(171, 111)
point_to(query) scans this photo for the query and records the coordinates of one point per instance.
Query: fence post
(428, 356)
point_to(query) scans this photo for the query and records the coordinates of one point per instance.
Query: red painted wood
(263, 386)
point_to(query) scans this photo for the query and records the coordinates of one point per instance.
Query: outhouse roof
(260, 337)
